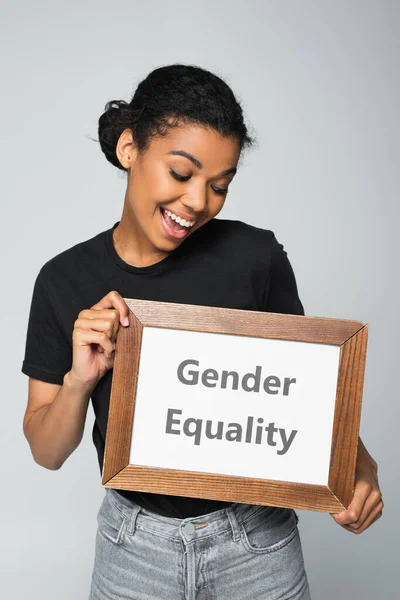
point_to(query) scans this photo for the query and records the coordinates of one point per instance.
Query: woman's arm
(367, 504)
(54, 426)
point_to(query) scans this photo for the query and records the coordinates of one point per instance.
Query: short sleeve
(281, 294)
(48, 353)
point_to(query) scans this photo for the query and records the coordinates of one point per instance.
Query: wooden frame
(351, 336)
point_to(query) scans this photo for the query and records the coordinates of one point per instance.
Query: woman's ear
(126, 150)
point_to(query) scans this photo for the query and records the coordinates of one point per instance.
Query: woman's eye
(220, 190)
(187, 177)
(179, 177)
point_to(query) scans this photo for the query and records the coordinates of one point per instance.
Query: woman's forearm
(56, 430)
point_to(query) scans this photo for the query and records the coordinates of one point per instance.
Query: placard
(236, 405)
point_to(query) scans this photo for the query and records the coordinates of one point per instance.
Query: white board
(290, 437)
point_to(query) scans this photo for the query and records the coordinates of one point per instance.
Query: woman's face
(184, 174)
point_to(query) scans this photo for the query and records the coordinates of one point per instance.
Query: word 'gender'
(250, 382)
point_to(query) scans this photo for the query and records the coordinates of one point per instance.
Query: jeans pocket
(111, 522)
(269, 530)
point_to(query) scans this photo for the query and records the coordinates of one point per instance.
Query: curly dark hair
(167, 97)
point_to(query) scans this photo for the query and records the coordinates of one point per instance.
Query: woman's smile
(172, 223)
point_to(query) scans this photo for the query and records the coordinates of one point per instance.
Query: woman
(179, 140)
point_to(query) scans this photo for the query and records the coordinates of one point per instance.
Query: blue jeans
(241, 552)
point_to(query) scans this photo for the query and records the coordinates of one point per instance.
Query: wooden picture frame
(350, 336)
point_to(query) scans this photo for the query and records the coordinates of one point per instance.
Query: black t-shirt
(225, 263)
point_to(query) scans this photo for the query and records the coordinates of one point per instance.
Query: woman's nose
(196, 200)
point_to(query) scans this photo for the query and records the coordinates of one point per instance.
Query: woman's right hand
(93, 338)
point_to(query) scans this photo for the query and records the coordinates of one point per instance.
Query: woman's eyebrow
(197, 163)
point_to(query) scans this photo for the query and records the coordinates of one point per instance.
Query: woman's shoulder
(233, 241)
(241, 227)
(243, 232)
(70, 261)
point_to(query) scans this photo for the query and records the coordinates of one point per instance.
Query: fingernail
(125, 322)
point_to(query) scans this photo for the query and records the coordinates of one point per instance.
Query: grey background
(319, 85)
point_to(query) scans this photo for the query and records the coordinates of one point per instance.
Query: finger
(373, 500)
(85, 337)
(101, 349)
(372, 517)
(378, 516)
(114, 300)
(104, 313)
(355, 508)
(109, 323)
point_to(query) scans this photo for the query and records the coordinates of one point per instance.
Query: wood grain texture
(351, 336)
(122, 398)
(229, 488)
(193, 317)
(347, 416)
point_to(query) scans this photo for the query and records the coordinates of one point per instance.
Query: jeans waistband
(190, 527)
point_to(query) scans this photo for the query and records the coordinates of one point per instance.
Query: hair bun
(118, 104)
(111, 124)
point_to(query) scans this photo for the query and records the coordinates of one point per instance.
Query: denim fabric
(242, 552)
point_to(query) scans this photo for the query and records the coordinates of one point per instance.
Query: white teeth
(179, 220)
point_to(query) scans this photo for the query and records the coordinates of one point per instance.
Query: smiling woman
(166, 178)
(179, 140)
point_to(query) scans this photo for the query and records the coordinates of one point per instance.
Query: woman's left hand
(367, 504)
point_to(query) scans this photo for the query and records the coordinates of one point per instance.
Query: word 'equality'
(231, 432)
